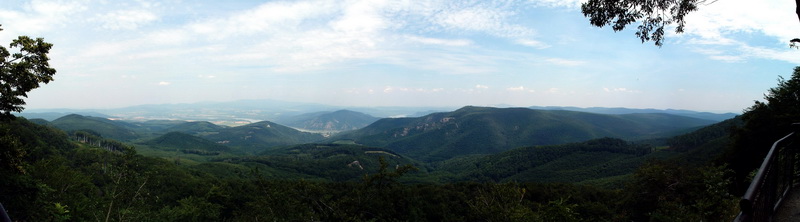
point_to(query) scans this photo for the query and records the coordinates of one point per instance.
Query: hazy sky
(112, 53)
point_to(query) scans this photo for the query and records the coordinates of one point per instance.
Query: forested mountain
(593, 160)
(187, 143)
(336, 121)
(331, 162)
(483, 130)
(155, 126)
(50, 116)
(197, 128)
(706, 144)
(257, 137)
(125, 185)
(106, 128)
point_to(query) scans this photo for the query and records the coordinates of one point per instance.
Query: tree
(764, 123)
(22, 71)
(654, 15)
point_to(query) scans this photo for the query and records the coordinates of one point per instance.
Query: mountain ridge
(486, 130)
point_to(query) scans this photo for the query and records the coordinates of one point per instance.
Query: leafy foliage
(764, 123)
(22, 71)
(653, 15)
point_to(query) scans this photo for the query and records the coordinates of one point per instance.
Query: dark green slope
(106, 128)
(336, 162)
(483, 130)
(592, 160)
(197, 128)
(706, 144)
(257, 137)
(157, 125)
(187, 143)
(336, 121)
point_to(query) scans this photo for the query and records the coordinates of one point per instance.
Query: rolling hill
(593, 160)
(187, 143)
(257, 137)
(197, 128)
(336, 162)
(341, 120)
(117, 130)
(484, 130)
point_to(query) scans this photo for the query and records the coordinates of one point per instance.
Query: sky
(111, 53)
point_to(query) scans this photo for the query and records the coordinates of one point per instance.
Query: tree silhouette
(653, 16)
(22, 71)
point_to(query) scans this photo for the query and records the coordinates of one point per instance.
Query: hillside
(106, 128)
(341, 120)
(197, 128)
(257, 137)
(705, 144)
(483, 130)
(335, 162)
(187, 144)
(604, 161)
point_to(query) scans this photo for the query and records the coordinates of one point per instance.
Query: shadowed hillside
(483, 130)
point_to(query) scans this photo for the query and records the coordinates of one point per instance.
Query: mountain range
(486, 130)
(433, 137)
(250, 111)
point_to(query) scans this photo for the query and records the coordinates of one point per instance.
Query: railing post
(773, 180)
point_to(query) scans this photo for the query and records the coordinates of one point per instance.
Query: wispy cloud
(622, 90)
(532, 43)
(126, 19)
(520, 89)
(437, 41)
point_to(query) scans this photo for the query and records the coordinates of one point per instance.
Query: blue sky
(399, 53)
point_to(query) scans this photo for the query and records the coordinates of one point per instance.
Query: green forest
(471, 164)
(78, 175)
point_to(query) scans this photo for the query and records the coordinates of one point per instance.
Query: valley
(439, 165)
(467, 144)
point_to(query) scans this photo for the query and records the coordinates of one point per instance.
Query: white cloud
(724, 18)
(518, 88)
(559, 3)
(126, 19)
(266, 18)
(482, 19)
(621, 90)
(723, 23)
(479, 86)
(437, 41)
(163, 83)
(532, 43)
(39, 16)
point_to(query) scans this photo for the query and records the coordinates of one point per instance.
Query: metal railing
(773, 181)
